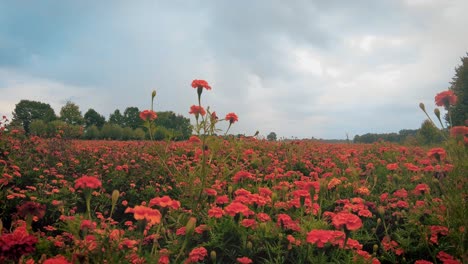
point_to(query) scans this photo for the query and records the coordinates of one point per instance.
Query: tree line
(38, 118)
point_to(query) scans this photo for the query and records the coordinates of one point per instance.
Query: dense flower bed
(261, 202)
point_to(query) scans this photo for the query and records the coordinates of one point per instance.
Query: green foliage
(139, 134)
(271, 136)
(127, 133)
(111, 131)
(116, 118)
(65, 130)
(92, 132)
(26, 111)
(459, 86)
(91, 117)
(429, 134)
(179, 124)
(132, 118)
(38, 128)
(71, 114)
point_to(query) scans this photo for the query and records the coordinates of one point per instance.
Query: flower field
(230, 201)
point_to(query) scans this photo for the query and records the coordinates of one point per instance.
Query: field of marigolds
(215, 199)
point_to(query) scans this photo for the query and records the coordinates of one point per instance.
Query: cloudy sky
(311, 68)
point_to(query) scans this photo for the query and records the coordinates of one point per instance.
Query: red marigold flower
(446, 98)
(321, 237)
(244, 260)
(392, 166)
(197, 110)
(194, 139)
(59, 259)
(421, 188)
(459, 131)
(197, 254)
(200, 84)
(16, 244)
(232, 118)
(148, 115)
(242, 175)
(32, 209)
(237, 208)
(438, 153)
(348, 220)
(249, 223)
(87, 182)
(422, 262)
(215, 212)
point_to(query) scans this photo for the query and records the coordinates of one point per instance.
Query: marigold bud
(437, 113)
(213, 256)
(381, 210)
(249, 245)
(375, 248)
(115, 197)
(190, 226)
(153, 94)
(421, 105)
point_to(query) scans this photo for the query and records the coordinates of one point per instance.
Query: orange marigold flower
(200, 84)
(197, 110)
(148, 115)
(153, 216)
(446, 98)
(232, 118)
(348, 220)
(165, 201)
(87, 182)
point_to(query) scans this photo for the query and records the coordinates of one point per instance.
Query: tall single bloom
(446, 98)
(232, 118)
(201, 84)
(87, 182)
(197, 110)
(148, 115)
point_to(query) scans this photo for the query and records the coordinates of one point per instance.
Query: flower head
(197, 255)
(152, 216)
(200, 84)
(32, 209)
(197, 110)
(232, 118)
(348, 220)
(446, 98)
(87, 182)
(148, 115)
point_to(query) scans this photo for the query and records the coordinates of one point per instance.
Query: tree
(38, 128)
(429, 134)
(116, 118)
(71, 114)
(271, 136)
(92, 132)
(178, 124)
(111, 131)
(132, 117)
(26, 111)
(91, 117)
(459, 86)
